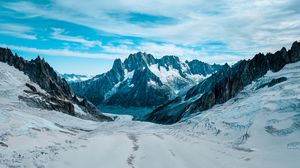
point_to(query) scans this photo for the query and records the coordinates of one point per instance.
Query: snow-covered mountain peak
(142, 74)
(118, 64)
(138, 60)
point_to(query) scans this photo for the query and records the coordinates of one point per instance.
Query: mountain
(143, 81)
(70, 78)
(224, 85)
(257, 127)
(54, 92)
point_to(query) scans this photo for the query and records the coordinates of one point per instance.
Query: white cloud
(167, 49)
(246, 27)
(113, 52)
(160, 50)
(60, 52)
(16, 30)
(58, 35)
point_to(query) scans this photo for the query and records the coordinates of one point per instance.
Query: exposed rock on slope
(143, 81)
(58, 95)
(224, 85)
(199, 67)
(39, 72)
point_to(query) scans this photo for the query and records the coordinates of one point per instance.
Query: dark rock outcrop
(272, 82)
(58, 97)
(198, 67)
(138, 61)
(95, 89)
(225, 84)
(44, 101)
(39, 72)
(139, 93)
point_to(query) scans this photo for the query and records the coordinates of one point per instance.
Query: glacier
(257, 128)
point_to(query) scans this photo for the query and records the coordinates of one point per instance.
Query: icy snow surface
(258, 128)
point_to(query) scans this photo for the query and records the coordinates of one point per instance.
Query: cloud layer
(213, 31)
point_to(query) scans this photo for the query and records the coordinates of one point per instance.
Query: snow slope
(258, 128)
(26, 133)
(172, 77)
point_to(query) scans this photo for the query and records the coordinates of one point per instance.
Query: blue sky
(84, 37)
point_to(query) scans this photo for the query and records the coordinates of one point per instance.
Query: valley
(149, 84)
(252, 129)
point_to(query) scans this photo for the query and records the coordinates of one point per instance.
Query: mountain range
(246, 114)
(174, 89)
(143, 81)
(225, 84)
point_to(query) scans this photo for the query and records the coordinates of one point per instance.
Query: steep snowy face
(12, 82)
(224, 85)
(25, 127)
(54, 94)
(142, 81)
(38, 71)
(17, 87)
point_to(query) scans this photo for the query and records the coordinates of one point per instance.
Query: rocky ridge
(224, 85)
(58, 95)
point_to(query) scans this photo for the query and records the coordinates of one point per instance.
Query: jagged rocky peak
(206, 85)
(42, 73)
(138, 60)
(295, 52)
(173, 62)
(118, 64)
(58, 96)
(169, 60)
(39, 72)
(199, 67)
(118, 69)
(13, 60)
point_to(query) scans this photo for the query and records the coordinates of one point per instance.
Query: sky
(84, 37)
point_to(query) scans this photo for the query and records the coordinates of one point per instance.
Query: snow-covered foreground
(258, 128)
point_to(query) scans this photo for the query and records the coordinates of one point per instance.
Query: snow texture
(257, 128)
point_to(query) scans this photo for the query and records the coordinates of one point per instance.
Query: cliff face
(58, 95)
(39, 72)
(197, 67)
(224, 85)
